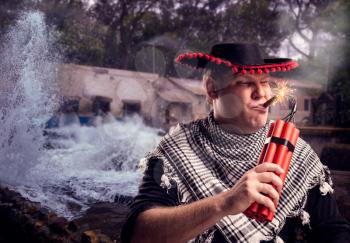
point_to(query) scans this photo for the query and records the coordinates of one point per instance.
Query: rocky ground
(25, 221)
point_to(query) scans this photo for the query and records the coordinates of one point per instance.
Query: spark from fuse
(282, 92)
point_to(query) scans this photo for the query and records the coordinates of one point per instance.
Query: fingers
(270, 177)
(266, 201)
(260, 184)
(266, 166)
(268, 190)
(270, 184)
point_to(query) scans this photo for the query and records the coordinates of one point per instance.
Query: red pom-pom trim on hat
(265, 68)
(251, 71)
(227, 63)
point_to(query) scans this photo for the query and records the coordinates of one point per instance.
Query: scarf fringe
(305, 217)
(326, 188)
(279, 240)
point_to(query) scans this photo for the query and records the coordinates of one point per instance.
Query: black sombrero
(241, 58)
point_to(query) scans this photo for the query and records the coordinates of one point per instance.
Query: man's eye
(243, 83)
(272, 84)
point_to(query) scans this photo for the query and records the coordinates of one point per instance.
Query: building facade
(161, 101)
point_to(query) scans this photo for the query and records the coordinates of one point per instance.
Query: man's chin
(259, 122)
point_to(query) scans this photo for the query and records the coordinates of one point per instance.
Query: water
(74, 166)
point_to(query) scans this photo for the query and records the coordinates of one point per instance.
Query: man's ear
(211, 89)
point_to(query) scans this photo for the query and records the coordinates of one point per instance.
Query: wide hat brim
(241, 58)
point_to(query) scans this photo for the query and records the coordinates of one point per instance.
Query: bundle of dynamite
(278, 148)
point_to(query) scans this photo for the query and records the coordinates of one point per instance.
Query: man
(203, 175)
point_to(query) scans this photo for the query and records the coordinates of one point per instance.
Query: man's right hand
(254, 186)
(183, 223)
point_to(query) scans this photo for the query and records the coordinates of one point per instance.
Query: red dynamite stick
(282, 157)
(270, 154)
(286, 162)
(288, 158)
(262, 155)
(279, 159)
(268, 157)
(253, 208)
(271, 150)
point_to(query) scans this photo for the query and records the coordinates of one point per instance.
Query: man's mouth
(260, 107)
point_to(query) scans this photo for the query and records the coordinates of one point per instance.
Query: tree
(339, 79)
(306, 21)
(124, 21)
(254, 21)
(81, 37)
(324, 26)
(9, 10)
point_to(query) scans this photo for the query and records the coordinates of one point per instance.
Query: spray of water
(71, 166)
(28, 95)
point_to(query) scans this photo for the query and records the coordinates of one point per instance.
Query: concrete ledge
(325, 131)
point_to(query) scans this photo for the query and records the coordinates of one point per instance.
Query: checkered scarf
(204, 160)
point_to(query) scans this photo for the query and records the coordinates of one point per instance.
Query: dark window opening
(131, 107)
(69, 105)
(306, 104)
(101, 105)
(167, 116)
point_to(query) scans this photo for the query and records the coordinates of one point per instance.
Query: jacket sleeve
(327, 224)
(150, 195)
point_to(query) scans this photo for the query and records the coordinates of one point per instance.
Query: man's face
(240, 102)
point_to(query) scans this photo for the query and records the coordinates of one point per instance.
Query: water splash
(72, 166)
(27, 74)
(90, 164)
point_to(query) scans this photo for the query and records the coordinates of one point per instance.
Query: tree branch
(291, 9)
(303, 36)
(297, 49)
(298, 15)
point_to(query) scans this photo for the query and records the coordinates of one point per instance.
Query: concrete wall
(136, 87)
(303, 91)
(119, 85)
(302, 117)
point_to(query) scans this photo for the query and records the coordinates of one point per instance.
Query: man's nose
(259, 92)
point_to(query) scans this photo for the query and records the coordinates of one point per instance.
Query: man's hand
(182, 223)
(253, 186)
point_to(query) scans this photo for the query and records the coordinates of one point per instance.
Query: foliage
(81, 37)
(129, 34)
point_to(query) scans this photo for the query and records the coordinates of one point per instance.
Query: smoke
(319, 43)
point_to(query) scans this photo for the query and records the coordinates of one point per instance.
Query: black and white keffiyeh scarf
(204, 160)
